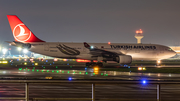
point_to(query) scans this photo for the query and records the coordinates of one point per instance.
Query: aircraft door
(46, 47)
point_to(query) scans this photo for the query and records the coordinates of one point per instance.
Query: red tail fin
(20, 32)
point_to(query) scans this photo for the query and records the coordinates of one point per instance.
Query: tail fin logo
(21, 33)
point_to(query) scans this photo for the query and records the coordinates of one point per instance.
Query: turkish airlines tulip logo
(21, 33)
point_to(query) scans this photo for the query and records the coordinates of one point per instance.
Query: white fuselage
(137, 51)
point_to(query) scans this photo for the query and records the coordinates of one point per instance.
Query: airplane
(122, 53)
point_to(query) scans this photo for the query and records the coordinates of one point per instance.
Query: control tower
(139, 35)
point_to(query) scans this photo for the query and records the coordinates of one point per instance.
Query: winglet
(86, 45)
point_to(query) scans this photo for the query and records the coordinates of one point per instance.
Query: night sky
(98, 21)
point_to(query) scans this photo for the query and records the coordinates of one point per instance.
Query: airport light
(109, 43)
(25, 63)
(35, 64)
(159, 61)
(140, 68)
(55, 59)
(144, 82)
(70, 78)
(25, 51)
(4, 50)
(19, 48)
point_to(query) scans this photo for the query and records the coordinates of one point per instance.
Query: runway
(126, 92)
(78, 72)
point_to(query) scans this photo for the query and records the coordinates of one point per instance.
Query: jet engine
(124, 59)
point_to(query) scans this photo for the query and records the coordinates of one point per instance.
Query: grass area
(148, 70)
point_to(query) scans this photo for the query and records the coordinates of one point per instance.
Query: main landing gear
(94, 64)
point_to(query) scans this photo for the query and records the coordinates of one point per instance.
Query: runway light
(25, 51)
(55, 59)
(68, 72)
(96, 69)
(52, 71)
(25, 63)
(57, 71)
(140, 68)
(62, 71)
(86, 72)
(36, 64)
(19, 48)
(70, 78)
(79, 72)
(144, 81)
(101, 73)
(159, 61)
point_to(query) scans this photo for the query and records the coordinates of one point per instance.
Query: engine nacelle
(124, 59)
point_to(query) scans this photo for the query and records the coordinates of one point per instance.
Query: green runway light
(43, 67)
(33, 67)
(57, 71)
(68, 72)
(79, 72)
(33, 70)
(52, 71)
(106, 74)
(93, 73)
(62, 71)
(86, 72)
(47, 70)
(37, 70)
(24, 69)
(74, 72)
(56, 66)
(70, 66)
(101, 73)
(42, 70)
(28, 69)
